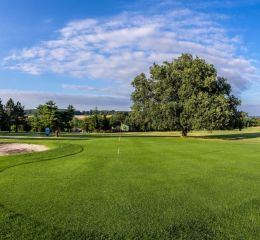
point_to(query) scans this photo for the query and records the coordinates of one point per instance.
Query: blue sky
(86, 53)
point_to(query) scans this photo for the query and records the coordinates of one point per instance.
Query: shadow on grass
(226, 136)
(111, 135)
(42, 138)
(80, 136)
(235, 136)
(86, 136)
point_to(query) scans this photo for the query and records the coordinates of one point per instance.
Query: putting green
(132, 188)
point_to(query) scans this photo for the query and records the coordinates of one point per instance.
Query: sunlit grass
(143, 187)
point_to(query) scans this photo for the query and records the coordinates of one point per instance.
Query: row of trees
(253, 121)
(183, 95)
(12, 116)
(101, 122)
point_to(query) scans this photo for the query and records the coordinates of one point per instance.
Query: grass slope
(133, 188)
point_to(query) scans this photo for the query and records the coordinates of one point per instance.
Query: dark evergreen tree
(105, 123)
(10, 114)
(96, 122)
(2, 116)
(19, 116)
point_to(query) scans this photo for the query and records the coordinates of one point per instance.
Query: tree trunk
(57, 133)
(184, 132)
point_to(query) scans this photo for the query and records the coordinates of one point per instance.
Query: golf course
(133, 186)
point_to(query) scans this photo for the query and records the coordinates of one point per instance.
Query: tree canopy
(12, 116)
(184, 94)
(49, 115)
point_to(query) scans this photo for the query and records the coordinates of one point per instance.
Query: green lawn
(133, 187)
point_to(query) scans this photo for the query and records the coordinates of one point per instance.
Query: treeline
(97, 122)
(50, 116)
(12, 117)
(253, 121)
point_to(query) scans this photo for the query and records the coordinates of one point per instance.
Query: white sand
(15, 148)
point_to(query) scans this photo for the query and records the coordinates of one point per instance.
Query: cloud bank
(31, 99)
(118, 48)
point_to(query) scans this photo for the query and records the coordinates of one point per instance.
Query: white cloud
(120, 47)
(122, 91)
(32, 99)
(79, 87)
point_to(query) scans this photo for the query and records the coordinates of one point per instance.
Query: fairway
(132, 187)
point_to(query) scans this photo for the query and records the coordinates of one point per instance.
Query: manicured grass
(133, 188)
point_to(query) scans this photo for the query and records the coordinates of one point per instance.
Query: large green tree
(49, 115)
(184, 94)
(65, 118)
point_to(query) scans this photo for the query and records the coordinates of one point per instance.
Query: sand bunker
(16, 148)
